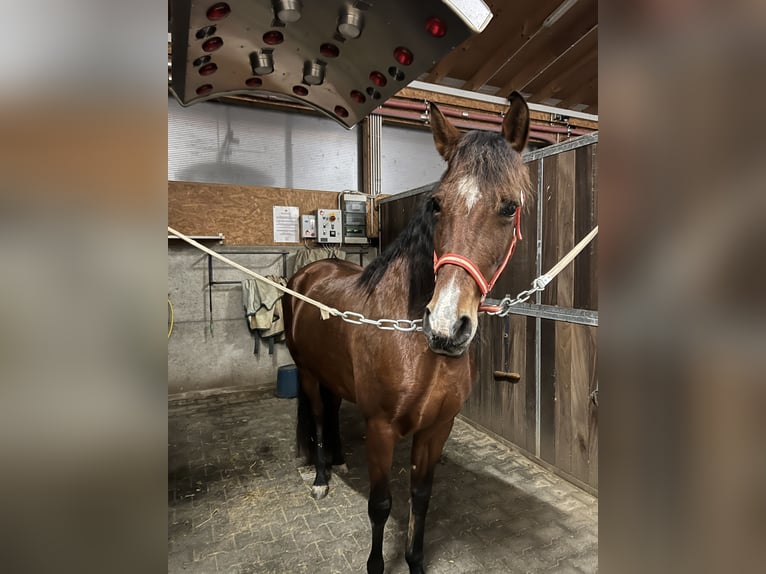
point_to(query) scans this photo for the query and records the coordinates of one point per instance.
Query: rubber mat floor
(239, 502)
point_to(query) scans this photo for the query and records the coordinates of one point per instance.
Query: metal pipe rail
(283, 253)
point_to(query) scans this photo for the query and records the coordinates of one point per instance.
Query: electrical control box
(329, 226)
(308, 226)
(354, 218)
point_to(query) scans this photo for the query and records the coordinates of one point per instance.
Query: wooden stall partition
(242, 213)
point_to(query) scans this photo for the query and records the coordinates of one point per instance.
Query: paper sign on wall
(286, 228)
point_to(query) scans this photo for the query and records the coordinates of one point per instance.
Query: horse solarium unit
(342, 58)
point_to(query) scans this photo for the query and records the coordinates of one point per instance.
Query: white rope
(546, 278)
(324, 309)
(566, 260)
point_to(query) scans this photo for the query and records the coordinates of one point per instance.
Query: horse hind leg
(310, 431)
(427, 447)
(331, 404)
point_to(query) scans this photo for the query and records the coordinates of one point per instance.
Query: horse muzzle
(450, 338)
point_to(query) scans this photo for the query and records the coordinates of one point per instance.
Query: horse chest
(429, 398)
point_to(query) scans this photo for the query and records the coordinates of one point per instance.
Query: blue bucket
(287, 382)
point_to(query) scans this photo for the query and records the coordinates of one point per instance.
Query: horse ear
(445, 134)
(516, 122)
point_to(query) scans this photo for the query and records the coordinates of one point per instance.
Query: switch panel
(329, 226)
(354, 218)
(308, 226)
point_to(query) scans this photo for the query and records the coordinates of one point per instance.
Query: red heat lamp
(218, 11)
(253, 82)
(300, 90)
(403, 56)
(204, 89)
(212, 44)
(273, 37)
(341, 112)
(329, 50)
(378, 79)
(358, 96)
(208, 69)
(436, 27)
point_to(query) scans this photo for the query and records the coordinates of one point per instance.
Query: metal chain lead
(506, 302)
(410, 325)
(403, 325)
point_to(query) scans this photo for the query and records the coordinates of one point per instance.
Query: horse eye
(508, 209)
(435, 205)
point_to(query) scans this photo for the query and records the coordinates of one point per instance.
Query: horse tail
(306, 430)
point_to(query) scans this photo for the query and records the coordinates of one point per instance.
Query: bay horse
(409, 382)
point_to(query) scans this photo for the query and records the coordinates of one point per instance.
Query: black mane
(415, 244)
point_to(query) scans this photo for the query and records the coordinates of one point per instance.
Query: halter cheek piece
(468, 265)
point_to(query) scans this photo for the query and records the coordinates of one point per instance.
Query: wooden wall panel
(242, 213)
(574, 426)
(583, 373)
(529, 380)
(586, 218)
(517, 347)
(562, 359)
(503, 407)
(395, 215)
(548, 391)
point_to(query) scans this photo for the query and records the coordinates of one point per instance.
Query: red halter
(462, 261)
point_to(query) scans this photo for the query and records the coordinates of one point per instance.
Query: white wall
(217, 143)
(408, 159)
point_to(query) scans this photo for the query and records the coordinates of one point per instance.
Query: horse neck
(390, 295)
(404, 279)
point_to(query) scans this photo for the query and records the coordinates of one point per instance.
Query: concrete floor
(238, 501)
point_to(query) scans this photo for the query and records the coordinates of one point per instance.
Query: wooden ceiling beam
(585, 45)
(561, 86)
(516, 35)
(586, 93)
(546, 47)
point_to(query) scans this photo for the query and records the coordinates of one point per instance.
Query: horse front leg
(380, 454)
(427, 445)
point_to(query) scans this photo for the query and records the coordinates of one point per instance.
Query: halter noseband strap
(468, 265)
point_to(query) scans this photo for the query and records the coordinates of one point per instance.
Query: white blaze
(444, 313)
(468, 189)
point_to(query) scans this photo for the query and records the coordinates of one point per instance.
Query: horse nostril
(463, 328)
(427, 321)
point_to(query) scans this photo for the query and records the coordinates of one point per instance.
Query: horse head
(476, 208)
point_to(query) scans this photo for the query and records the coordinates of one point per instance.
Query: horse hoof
(319, 492)
(341, 469)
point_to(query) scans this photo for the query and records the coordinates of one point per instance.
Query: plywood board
(242, 213)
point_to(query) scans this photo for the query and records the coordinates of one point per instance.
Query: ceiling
(550, 58)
